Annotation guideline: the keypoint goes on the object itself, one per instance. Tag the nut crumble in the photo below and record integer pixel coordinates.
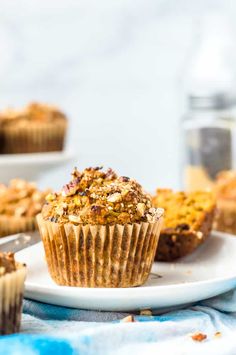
(94, 196)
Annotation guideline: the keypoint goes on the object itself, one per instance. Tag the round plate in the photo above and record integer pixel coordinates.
(31, 166)
(209, 271)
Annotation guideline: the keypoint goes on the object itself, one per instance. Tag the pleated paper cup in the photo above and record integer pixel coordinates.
(32, 138)
(11, 296)
(12, 225)
(97, 255)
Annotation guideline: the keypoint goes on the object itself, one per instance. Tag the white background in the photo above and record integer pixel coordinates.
(115, 67)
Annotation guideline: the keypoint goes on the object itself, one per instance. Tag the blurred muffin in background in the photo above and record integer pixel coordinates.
(100, 230)
(225, 190)
(36, 128)
(12, 277)
(20, 202)
(188, 220)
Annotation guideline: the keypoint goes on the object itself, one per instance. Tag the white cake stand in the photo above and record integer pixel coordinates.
(31, 166)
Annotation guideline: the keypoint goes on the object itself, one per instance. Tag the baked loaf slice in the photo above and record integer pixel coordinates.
(225, 190)
(188, 220)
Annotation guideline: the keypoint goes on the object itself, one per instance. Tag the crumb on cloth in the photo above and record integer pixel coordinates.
(146, 312)
(217, 334)
(198, 336)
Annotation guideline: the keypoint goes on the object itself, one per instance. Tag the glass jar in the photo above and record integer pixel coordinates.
(209, 141)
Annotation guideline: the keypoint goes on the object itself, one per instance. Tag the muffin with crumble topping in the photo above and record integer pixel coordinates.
(100, 230)
(20, 202)
(35, 128)
(12, 277)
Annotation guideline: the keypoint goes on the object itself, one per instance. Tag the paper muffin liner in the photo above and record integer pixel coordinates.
(97, 255)
(12, 225)
(41, 137)
(11, 296)
(225, 220)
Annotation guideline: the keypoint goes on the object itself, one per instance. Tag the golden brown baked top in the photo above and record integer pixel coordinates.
(101, 197)
(21, 199)
(7, 263)
(225, 185)
(34, 112)
(184, 211)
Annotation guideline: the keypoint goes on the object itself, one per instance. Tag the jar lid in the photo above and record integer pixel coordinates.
(214, 100)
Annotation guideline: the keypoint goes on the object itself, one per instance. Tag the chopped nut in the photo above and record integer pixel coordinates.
(174, 238)
(183, 227)
(198, 336)
(199, 235)
(146, 312)
(96, 209)
(110, 174)
(141, 208)
(50, 197)
(218, 335)
(116, 197)
(124, 178)
(75, 219)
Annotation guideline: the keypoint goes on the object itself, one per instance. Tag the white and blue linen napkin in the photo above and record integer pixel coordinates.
(48, 329)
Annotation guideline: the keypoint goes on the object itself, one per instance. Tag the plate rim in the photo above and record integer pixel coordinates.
(31, 286)
(36, 158)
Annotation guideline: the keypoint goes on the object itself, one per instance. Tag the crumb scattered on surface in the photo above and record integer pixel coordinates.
(155, 276)
(198, 336)
(217, 334)
(146, 312)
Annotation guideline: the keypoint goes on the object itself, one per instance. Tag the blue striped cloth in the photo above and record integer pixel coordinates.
(48, 329)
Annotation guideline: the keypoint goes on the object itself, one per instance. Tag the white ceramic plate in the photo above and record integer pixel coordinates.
(209, 271)
(31, 166)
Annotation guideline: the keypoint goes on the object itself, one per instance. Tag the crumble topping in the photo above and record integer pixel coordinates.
(21, 199)
(7, 263)
(101, 197)
(34, 112)
(184, 211)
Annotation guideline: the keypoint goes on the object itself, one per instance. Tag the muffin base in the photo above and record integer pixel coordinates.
(34, 138)
(99, 256)
(11, 295)
(225, 220)
(174, 244)
(12, 225)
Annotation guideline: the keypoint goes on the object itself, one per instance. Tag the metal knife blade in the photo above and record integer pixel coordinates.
(21, 241)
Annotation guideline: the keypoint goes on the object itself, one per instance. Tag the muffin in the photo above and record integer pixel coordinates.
(36, 128)
(12, 277)
(225, 190)
(20, 202)
(188, 222)
(100, 230)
